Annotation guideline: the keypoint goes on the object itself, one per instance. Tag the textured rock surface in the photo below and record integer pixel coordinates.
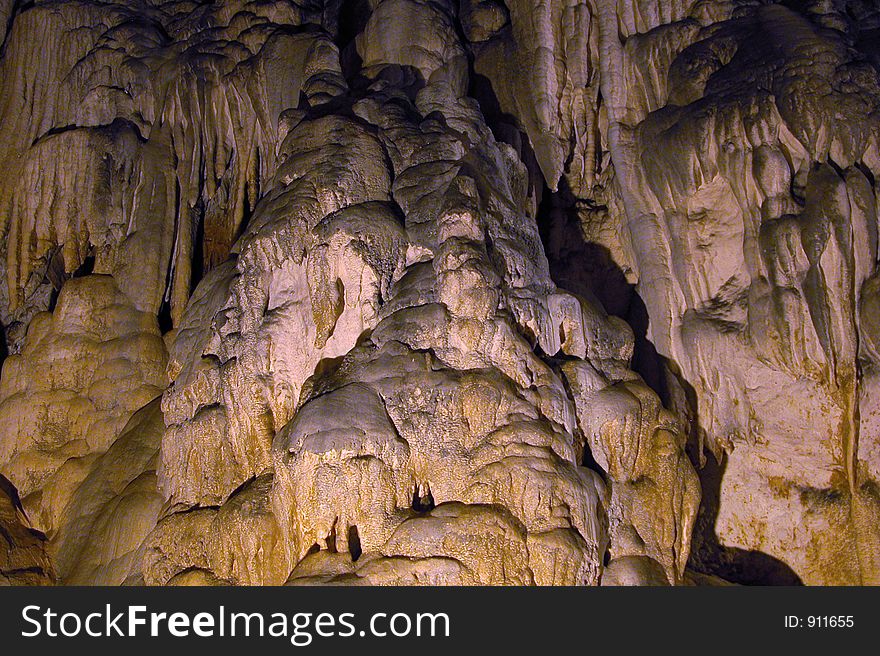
(23, 557)
(64, 400)
(409, 292)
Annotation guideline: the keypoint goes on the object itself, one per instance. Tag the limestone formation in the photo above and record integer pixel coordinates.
(410, 292)
(64, 400)
(23, 558)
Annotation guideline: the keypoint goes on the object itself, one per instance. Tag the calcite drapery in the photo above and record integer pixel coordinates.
(314, 229)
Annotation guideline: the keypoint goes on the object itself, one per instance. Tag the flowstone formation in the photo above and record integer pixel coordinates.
(405, 292)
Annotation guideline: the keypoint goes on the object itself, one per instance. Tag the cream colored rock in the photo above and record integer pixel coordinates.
(114, 509)
(84, 369)
(453, 544)
(418, 34)
(381, 433)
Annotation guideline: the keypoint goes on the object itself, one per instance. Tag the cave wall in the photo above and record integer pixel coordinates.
(435, 292)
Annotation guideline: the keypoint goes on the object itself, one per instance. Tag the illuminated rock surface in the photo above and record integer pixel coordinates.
(408, 292)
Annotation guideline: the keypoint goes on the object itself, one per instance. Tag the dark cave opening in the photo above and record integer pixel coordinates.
(353, 17)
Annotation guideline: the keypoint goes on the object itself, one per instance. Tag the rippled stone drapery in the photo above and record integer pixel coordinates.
(306, 292)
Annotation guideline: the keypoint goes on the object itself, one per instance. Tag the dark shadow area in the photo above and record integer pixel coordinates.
(647, 362)
(408, 79)
(354, 543)
(56, 272)
(4, 346)
(584, 268)
(9, 490)
(198, 257)
(589, 461)
(588, 270)
(86, 268)
(868, 44)
(327, 366)
(331, 537)
(505, 128)
(353, 17)
(732, 564)
(422, 503)
(166, 323)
